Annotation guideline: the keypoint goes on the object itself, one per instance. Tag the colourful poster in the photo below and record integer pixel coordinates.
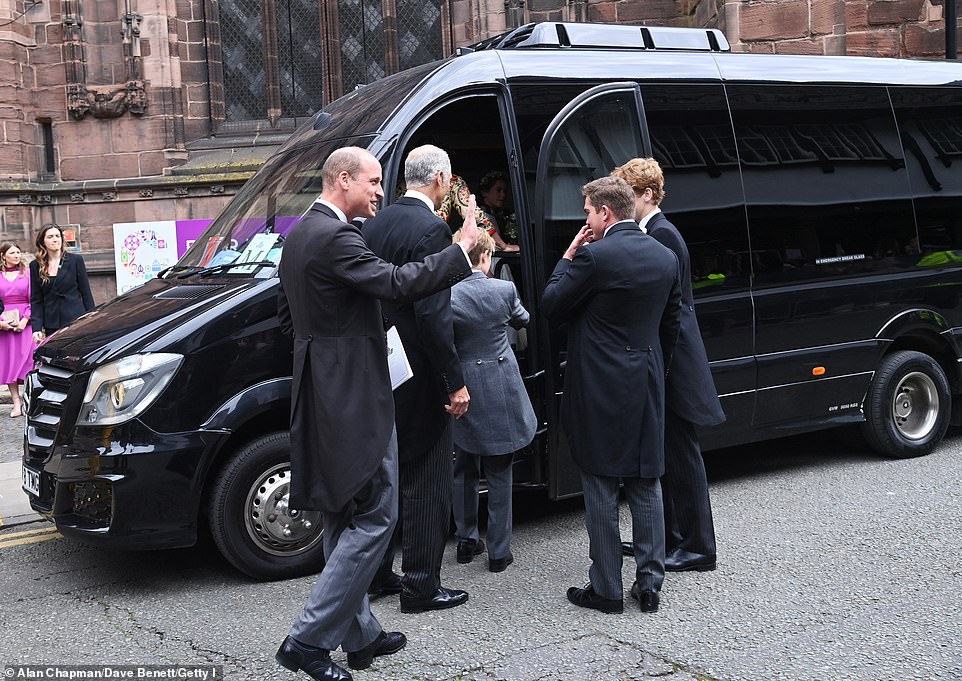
(142, 250)
(187, 233)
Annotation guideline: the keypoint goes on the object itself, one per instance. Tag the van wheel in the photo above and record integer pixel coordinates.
(251, 521)
(907, 406)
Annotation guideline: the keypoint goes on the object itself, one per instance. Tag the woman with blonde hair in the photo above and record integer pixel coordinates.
(59, 290)
(16, 347)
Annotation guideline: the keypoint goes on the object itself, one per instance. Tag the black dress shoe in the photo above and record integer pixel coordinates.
(682, 561)
(468, 549)
(500, 564)
(387, 587)
(648, 600)
(386, 643)
(627, 548)
(442, 598)
(587, 598)
(315, 662)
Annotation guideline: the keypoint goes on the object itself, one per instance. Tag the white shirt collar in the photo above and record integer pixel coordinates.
(337, 211)
(643, 223)
(610, 226)
(414, 194)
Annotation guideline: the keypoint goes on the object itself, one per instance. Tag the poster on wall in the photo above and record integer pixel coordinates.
(143, 249)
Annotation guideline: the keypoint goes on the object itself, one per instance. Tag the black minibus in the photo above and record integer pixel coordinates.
(820, 197)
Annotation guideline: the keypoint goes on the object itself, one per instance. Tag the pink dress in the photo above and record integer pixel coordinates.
(16, 349)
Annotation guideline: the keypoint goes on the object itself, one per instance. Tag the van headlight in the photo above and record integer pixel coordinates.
(121, 390)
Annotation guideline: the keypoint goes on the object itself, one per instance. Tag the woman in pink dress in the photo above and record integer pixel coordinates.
(16, 347)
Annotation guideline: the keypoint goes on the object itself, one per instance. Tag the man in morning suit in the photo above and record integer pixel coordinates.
(618, 290)
(343, 445)
(409, 231)
(692, 397)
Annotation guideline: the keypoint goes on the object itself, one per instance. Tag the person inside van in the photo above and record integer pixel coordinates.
(502, 226)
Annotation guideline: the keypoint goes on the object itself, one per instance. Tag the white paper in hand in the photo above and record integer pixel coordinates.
(397, 359)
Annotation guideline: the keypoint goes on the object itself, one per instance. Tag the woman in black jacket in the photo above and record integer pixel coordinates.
(59, 290)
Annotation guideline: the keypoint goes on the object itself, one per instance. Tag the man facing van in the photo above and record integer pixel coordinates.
(409, 231)
(618, 290)
(692, 397)
(343, 444)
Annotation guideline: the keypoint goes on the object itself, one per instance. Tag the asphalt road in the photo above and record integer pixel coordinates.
(833, 564)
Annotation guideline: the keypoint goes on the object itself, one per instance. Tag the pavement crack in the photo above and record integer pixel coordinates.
(128, 624)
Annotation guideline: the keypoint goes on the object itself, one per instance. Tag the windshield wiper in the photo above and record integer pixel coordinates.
(174, 268)
(227, 266)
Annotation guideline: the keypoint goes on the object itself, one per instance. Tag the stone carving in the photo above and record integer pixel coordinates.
(106, 102)
(180, 191)
(78, 197)
(108, 196)
(146, 193)
(44, 199)
(24, 198)
(217, 189)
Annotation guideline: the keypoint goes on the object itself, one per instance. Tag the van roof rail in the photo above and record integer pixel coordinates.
(571, 35)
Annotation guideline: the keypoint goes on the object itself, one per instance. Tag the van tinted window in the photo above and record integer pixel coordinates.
(692, 140)
(930, 125)
(825, 182)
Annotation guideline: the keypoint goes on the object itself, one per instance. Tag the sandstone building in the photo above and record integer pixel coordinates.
(117, 111)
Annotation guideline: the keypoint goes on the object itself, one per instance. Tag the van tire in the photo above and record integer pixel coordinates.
(907, 406)
(248, 514)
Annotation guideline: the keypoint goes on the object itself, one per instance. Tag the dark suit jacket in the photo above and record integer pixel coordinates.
(408, 231)
(342, 411)
(621, 298)
(61, 299)
(691, 389)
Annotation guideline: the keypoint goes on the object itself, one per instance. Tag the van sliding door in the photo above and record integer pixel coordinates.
(692, 139)
(595, 132)
(833, 236)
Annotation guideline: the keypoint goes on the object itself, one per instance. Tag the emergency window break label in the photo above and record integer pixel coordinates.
(840, 258)
(129, 671)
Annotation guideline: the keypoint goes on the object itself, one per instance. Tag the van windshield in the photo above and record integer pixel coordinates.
(252, 227)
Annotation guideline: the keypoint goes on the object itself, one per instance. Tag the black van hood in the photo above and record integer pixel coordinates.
(150, 318)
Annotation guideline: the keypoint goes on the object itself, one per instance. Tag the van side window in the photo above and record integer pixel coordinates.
(600, 134)
(825, 182)
(692, 140)
(930, 126)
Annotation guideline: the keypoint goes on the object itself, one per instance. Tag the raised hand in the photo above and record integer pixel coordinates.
(469, 230)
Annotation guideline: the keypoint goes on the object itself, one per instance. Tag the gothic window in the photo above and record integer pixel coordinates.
(281, 60)
(271, 59)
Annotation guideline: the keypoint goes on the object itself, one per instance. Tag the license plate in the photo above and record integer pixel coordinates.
(31, 481)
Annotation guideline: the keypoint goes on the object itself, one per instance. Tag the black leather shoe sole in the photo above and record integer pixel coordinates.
(379, 590)
(689, 567)
(648, 600)
(314, 662)
(384, 644)
(500, 564)
(467, 551)
(446, 598)
(586, 598)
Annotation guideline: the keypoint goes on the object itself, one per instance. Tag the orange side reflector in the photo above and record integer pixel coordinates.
(818, 371)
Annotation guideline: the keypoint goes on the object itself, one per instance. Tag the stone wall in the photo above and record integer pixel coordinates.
(123, 94)
(889, 28)
(876, 28)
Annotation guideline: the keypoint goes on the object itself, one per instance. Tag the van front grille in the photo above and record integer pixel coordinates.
(47, 389)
